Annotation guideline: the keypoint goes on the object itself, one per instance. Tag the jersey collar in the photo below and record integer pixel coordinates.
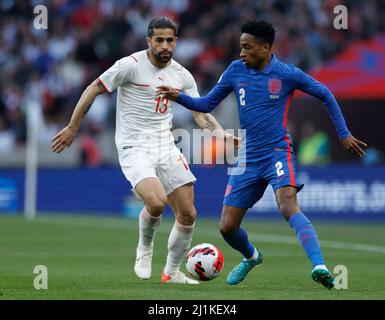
(268, 68)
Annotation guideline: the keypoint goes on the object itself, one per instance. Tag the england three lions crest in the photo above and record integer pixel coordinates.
(275, 86)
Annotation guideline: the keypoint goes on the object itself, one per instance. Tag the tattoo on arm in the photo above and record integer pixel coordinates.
(208, 121)
(210, 124)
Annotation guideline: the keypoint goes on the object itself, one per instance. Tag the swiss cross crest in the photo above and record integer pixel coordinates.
(275, 86)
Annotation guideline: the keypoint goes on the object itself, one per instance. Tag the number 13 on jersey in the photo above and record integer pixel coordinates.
(161, 104)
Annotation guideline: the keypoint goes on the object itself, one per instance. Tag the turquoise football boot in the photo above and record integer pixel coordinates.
(239, 273)
(323, 276)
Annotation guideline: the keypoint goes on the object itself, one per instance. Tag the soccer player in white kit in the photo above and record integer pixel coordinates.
(156, 169)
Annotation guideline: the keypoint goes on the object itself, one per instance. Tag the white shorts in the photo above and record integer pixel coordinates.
(167, 164)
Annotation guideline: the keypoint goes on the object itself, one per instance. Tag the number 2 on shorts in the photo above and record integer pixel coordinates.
(280, 171)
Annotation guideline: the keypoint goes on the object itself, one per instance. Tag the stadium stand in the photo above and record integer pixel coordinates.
(53, 66)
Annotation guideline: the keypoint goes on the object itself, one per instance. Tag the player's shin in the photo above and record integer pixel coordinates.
(148, 226)
(307, 237)
(179, 242)
(239, 241)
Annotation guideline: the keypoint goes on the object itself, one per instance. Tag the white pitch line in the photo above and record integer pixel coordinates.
(213, 232)
(272, 238)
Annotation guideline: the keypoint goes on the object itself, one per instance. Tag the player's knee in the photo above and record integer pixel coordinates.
(288, 208)
(287, 203)
(226, 229)
(155, 205)
(187, 216)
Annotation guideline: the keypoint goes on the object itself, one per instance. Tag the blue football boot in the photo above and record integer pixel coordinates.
(323, 276)
(239, 273)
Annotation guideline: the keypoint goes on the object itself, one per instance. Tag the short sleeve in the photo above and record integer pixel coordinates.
(191, 88)
(120, 73)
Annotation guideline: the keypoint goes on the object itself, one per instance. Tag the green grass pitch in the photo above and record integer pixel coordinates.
(93, 258)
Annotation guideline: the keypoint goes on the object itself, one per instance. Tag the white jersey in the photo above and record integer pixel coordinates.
(141, 117)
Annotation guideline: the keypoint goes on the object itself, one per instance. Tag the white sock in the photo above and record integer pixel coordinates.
(148, 225)
(320, 266)
(179, 242)
(254, 256)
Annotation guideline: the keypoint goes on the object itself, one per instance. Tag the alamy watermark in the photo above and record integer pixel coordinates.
(41, 280)
(341, 20)
(212, 147)
(341, 277)
(203, 147)
(41, 18)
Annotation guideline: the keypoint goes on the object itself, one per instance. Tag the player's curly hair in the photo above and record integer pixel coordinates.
(161, 23)
(262, 30)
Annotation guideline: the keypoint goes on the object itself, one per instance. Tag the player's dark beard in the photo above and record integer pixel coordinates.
(161, 57)
(259, 62)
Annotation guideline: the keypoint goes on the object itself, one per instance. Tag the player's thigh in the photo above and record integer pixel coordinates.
(244, 190)
(231, 219)
(139, 168)
(181, 201)
(152, 192)
(174, 171)
(282, 175)
(281, 170)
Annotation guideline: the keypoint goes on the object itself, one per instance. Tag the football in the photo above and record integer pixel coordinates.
(204, 262)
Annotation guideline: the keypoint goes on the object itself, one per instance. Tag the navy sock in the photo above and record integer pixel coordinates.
(239, 241)
(307, 236)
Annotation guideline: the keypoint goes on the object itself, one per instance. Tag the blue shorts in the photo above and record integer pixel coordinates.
(248, 184)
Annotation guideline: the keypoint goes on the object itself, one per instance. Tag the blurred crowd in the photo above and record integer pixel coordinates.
(84, 37)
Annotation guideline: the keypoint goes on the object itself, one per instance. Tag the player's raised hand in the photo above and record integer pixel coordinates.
(63, 139)
(168, 92)
(236, 141)
(354, 146)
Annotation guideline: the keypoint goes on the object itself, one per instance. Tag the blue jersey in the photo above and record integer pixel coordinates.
(263, 103)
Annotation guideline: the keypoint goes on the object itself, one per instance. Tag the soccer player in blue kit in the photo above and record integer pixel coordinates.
(264, 87)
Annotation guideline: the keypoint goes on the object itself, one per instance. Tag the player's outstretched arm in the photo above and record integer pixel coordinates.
(354, 146)
(315, 88)
(350, 143)
(65, 137)
(168, 92)
(201, 104)
(208, 121)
